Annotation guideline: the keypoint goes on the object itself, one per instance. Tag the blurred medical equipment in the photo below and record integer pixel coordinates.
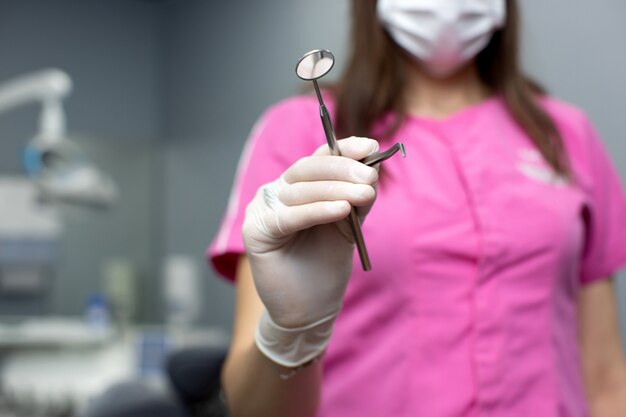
(29, 243)
(181, 290)
(63, 364)
(30, 347)
(55, 163)
(119, 281)
(194, 379)
(98, 313)
(49, 333)
(311, 67)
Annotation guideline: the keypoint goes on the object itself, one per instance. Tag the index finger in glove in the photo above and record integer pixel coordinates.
(330, 168)
(353, 147)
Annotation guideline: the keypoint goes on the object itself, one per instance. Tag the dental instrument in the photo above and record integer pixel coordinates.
(312, 66)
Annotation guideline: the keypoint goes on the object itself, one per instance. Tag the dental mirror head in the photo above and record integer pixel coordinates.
(315, 64)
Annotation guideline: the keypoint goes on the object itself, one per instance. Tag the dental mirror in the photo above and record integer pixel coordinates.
(315, 64)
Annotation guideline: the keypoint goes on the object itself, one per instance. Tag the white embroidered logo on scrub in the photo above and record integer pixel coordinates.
(531, 163)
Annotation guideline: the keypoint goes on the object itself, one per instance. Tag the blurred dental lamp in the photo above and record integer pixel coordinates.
(60, 171)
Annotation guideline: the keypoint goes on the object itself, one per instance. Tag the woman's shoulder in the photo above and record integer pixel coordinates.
(581, 139)
(575, 127)
(569, 118)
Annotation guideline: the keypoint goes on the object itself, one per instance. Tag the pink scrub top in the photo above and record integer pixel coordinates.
(478, 252)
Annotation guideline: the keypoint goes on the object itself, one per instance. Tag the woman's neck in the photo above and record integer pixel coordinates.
(438, 98)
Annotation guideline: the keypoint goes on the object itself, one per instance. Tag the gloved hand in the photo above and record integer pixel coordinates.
(300, 247)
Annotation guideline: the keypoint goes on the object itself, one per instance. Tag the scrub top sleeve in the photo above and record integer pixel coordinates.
(282, 135)
(605, 246)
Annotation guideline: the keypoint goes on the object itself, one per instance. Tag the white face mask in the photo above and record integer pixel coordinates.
(442, 34)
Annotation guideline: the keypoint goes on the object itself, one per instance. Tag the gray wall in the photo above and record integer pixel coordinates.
(578, 52)
(111, 50)
(217, 83)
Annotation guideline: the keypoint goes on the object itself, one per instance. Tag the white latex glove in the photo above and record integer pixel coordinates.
(300, 247)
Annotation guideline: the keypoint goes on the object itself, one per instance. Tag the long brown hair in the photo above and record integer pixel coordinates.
(375, 77)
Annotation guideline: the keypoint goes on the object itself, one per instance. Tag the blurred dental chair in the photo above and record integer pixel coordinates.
(194, 378)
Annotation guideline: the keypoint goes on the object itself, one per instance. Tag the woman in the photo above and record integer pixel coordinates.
(493, 243)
